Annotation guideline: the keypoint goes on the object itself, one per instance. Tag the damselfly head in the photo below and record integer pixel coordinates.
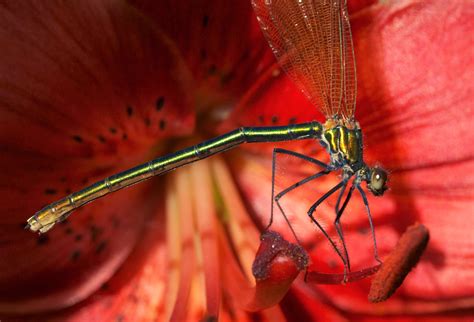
(377, 181)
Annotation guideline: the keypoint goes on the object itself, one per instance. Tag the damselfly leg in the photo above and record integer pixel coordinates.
(337, 221)
(340, 186)
(367, 208)
(276, 198)
(344, 196)
(313, 208)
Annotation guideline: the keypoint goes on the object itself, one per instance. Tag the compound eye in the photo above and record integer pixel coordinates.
(378, 179)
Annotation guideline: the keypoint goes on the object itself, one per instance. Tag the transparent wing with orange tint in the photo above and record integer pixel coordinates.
(313, 43)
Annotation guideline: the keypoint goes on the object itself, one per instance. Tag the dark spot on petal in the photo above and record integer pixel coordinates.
(63, 179)
(160, 102)
(95, 232)
(129, 110)
(226, 78)
(310, 246)
(120, 318)
(101, 138)
(100, 247)
(85, 181)
(124, 136)
(205, 21)
(261, 118)
(332, 263)
(68, 191)
(42, 239)
(292, 120)
(112, 130)
(212, 69)
(68, 231)
(203, 54)
(245, 55)
(77, 138)
(274, 119)
(78, 237)
(115, 222)
(147, 121)
(363, 230)
(133, 298)
(75, 255)
(211, 318)
(50, 191)
(104, 286)
(162, 124)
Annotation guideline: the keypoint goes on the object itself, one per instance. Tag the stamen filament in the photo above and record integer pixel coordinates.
(187, 264)
(205, 216)
(243, 232)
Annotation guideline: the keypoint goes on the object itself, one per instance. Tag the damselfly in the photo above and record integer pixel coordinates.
(313, 44)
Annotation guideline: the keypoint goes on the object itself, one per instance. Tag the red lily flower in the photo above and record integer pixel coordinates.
(89, 89)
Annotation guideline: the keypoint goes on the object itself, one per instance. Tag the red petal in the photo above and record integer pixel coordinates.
(415, 93)
(86, 89)
(415, 89)
(136, 292)
(273, 100)
(220, 40)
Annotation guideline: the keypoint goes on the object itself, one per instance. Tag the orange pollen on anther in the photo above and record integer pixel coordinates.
(399, 263)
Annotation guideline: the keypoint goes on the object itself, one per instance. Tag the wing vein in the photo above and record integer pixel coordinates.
(312, 41)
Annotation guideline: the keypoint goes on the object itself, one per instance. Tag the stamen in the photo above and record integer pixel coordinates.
(187, 262)
(399, 263)
(242, 231)
(276, 265)
(205, 217)
(322, 278)
(275, 273)
(173, 244)
(273, 245)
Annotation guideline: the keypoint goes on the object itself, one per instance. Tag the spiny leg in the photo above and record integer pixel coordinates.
(366, 203)
(297, 184)
(293, 186)
(339, 198)
(341, 235)
(312, 209)
(337, 222)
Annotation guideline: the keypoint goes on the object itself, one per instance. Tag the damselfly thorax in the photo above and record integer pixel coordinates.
(312, 42)
(344, 144)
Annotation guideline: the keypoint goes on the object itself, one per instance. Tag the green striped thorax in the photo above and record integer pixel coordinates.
(344, 144)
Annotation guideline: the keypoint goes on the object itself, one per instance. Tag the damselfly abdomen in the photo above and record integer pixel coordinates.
(313, 44)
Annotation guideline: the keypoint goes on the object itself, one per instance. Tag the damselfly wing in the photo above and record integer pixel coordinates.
(312, 42)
